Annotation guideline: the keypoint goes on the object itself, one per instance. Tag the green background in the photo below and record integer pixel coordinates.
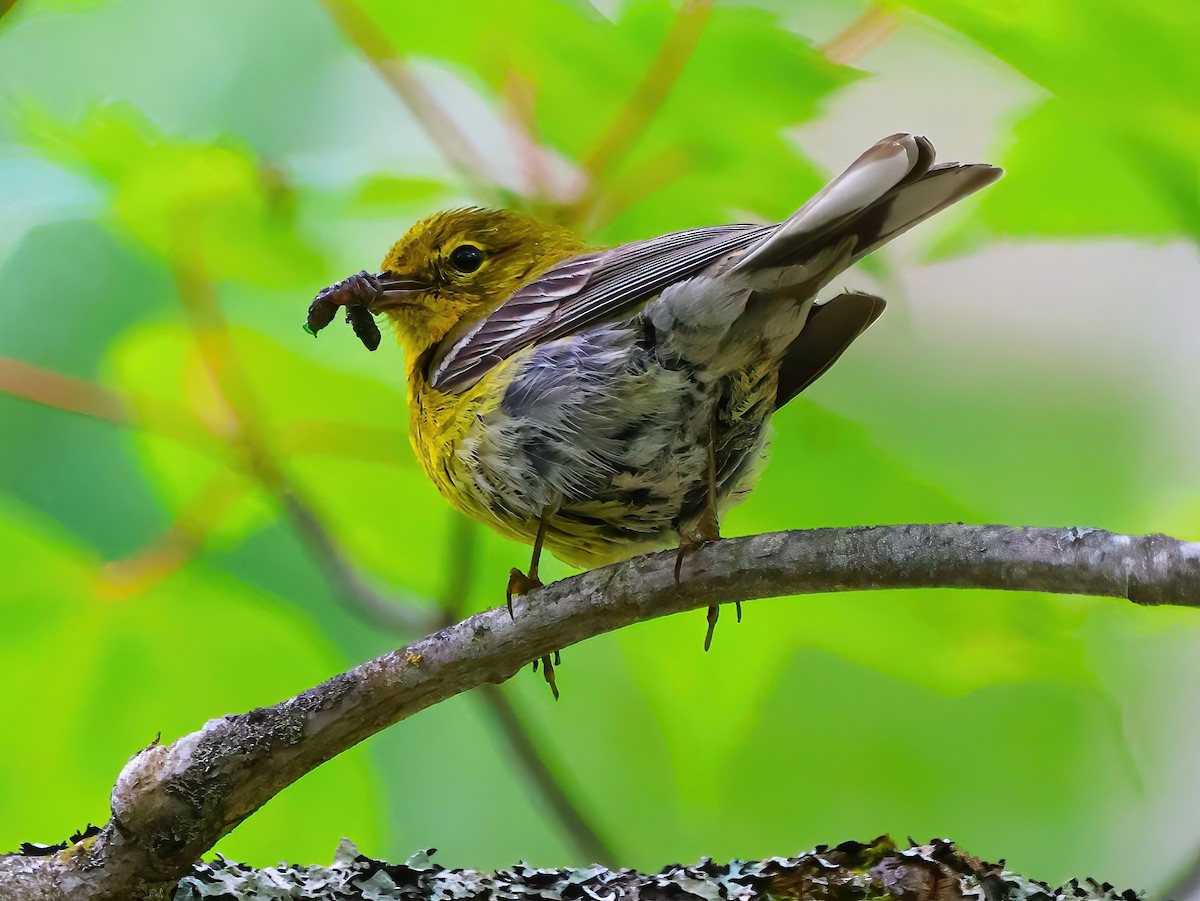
(178, 179)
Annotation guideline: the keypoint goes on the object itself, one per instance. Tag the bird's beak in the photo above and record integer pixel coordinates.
(393, 289)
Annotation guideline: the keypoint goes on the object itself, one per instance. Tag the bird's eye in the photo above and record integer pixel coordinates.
(466, 258)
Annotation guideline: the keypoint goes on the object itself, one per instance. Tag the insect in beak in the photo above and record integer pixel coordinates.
(363, 295)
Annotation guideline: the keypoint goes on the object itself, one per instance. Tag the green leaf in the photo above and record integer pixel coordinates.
(321, 418)
(382, 195)
(1060, 181)
(717, 142)
(211, 201)
(1125, 76)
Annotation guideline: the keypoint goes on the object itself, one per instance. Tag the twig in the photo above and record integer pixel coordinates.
(358, 28)
(528, 753)
(172, 803)
(620, 138)
(52, 389)
(532, 759)
(860, 37)
(346, 440)
(225, 369)
(400, 617)
(73, 395)
(464, 539)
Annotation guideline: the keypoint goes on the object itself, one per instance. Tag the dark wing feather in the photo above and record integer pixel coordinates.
(830, 329)
(581, 292)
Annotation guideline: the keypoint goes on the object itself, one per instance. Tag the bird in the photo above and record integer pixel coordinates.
(605, 402)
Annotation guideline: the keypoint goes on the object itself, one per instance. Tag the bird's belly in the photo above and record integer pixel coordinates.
(617, 450)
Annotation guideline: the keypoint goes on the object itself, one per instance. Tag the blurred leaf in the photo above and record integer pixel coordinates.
(216, 199)
(63, 317)
(828, 472)
(1127, 76)
(339, 435)
(866, 750)
(381, 194)
(120, 673)
(78, 471)
(747, 81)
(1061, 181)
(994, 420)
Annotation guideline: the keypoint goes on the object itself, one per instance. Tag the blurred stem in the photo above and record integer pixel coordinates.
(64, 392)
(460, 557)
(860, 37)
(345, 440)
(180, 543)
(394, 616)
(72, 395)
(225, 369)
(623, 134)
(358, 28)
(348, 441)
(518, 100)
(528, 753)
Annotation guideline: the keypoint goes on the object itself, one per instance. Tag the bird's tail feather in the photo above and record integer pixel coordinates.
(882, 194)
(885, 192)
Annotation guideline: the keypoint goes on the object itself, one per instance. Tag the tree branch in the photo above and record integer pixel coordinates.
(172, 802)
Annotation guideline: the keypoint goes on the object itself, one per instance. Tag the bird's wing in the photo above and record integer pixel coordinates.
(830, 328)
(582, 291)
(890, 188)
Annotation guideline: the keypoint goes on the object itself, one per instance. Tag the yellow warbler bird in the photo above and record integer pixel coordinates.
(603, 403)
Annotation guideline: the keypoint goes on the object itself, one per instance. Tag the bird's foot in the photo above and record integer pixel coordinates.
(519, 583)
(706, 531)
(548, 663)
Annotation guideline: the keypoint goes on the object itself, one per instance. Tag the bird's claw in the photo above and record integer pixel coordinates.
(519, 583)
(548, 663)
(706, 532)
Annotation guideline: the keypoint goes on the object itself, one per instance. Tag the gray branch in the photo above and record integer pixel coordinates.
(173, 802)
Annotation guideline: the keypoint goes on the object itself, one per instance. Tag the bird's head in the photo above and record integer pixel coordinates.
(458, 266)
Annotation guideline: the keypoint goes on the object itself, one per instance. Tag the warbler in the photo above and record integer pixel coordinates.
(606, 402)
